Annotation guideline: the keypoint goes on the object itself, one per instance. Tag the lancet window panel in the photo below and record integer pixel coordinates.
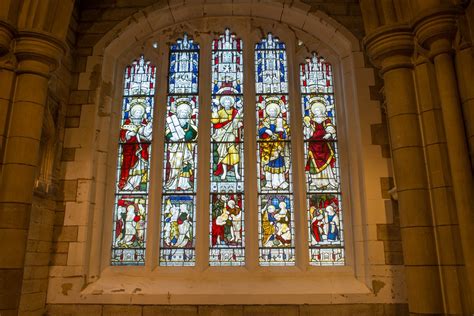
(133, 165)
(275, 199)
(323, 185)
(178, 220)
(227, 234)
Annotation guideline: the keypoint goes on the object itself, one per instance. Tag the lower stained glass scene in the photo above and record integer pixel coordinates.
(128, 247)
(325, 229)
(276, 230)
(227, 230)
(178, 233)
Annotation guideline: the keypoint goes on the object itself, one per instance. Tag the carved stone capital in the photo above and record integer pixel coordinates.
(435, 29)
(7, 32)
(390, 47)
(38, 53)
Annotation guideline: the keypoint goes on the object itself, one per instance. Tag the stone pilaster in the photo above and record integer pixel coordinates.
(435, 30)
(38, 55)
(391, 49)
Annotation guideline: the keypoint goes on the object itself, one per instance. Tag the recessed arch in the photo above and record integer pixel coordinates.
(318, 32)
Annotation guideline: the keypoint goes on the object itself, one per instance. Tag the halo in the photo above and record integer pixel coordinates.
(318, 102)
(225, 97)
(135, 104)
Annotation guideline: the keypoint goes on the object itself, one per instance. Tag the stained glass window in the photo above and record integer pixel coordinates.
(326, 243)
(275, 200)
(178, 221)
(131, 188)
(226, 240)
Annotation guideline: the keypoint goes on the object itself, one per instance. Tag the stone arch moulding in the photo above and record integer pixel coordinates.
(103, 68)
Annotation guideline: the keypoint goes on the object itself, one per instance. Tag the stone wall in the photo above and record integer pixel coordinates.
(233, 310)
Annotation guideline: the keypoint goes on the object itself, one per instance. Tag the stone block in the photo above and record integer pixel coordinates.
(14, 215)
(73, 110)
(388, 232)
(59, 259)
(13, 244)
(396, 309)
(36, 259)
(33, 301)
(65, 233)
(221, 310)
(73, 310)
(170, 310)
(68, 154)
(68, 190)
(88, 40)
(283, 310)
(78, 97)
(386, 184)
(72, 122)
(121, 310)
(341, 310)
(76, 254)
(394, 258)
(379, 134)
(419, 248)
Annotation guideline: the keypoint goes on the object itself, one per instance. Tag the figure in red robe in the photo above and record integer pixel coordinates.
(135, 137)
(320, 163)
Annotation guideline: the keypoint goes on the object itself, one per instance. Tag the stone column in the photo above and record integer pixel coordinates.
(391, 48)
(7, 77)
(435, 31)
(445, 223)
(38, 55)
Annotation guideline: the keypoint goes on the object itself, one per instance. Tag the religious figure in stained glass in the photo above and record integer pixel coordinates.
(319, 131)
(181, 132)
(135, 136)
(133, 167)
(273, 131)
(227, 123)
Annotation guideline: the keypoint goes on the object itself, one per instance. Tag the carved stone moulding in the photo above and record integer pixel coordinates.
(435, 29)
(7, 32)
(390, 47)
(38, 52)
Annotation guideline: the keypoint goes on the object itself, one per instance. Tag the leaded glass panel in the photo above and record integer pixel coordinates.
(326, 240)
(180, 159)
(227, 160)
(276, 234)
(133, 165)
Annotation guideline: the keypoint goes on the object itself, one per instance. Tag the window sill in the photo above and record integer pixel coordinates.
(220, 285)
